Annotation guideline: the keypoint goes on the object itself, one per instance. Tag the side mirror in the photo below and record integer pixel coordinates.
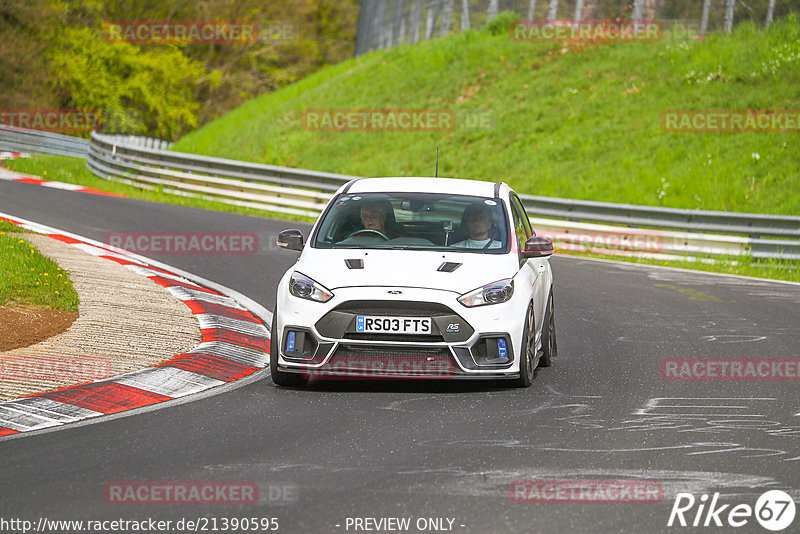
(537, 247)
(291, 239)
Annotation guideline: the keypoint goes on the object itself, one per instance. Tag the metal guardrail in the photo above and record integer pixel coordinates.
(661, 244)
(105, 145)
(752, 224)
(266, 187)
(304, 192)
(35, 142)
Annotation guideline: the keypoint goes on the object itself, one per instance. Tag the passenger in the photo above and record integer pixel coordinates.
(478, 218)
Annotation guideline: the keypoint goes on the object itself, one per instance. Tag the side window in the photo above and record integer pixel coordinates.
(526, 220)
(519, 227)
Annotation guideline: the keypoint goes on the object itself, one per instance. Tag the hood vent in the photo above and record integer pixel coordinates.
(357, 263)
(448, 267)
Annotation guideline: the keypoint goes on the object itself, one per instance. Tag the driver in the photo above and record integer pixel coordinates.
(373, 217)
(479, 220)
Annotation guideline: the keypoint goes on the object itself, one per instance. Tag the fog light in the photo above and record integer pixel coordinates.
(290, 337)
(502, 353)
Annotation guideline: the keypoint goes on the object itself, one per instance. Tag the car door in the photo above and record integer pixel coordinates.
(536, 267)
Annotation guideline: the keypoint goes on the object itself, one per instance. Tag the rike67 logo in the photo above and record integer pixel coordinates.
(774, 510)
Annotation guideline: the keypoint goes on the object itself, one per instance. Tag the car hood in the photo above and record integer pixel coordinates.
(405, 268)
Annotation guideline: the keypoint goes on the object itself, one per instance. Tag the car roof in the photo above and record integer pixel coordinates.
(420, 184)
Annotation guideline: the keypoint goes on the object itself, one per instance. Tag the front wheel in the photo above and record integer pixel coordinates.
(527, 352)
(287, 380)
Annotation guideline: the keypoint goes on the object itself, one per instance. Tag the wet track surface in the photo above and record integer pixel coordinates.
(444, 449)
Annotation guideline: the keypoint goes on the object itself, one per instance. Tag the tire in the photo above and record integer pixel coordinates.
(549, 344)
(527, 351)
(287, 380)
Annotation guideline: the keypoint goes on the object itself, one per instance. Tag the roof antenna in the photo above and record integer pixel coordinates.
(437, 162)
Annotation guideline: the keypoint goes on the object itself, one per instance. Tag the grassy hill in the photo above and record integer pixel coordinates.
(570, 120)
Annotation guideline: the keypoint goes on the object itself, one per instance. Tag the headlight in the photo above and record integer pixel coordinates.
(304, 287)
(493, 293)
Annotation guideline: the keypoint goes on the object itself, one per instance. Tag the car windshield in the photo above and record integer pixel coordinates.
(415, 221)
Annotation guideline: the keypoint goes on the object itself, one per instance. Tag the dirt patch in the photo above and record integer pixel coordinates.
(21, 327)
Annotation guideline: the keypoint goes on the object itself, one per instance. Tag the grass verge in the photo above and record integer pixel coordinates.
(576, 120)
(31, 279)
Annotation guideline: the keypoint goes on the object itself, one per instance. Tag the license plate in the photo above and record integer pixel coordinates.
(393, 325)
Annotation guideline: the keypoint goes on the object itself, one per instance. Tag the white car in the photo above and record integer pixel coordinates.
(416, 278)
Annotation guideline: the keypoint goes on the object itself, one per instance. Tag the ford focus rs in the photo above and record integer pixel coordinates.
(416, 278)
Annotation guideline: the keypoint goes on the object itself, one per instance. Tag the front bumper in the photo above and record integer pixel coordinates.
(464, 343)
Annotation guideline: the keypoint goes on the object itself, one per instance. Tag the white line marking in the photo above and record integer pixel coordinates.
(19, 420)
(93, 250)
(208, 320)
(234, 353)
(62, 185)
(169, 381)
(147, 272)
(52, 409)
(187, 293)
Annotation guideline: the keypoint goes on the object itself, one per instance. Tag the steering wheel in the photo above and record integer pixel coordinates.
(369, 230)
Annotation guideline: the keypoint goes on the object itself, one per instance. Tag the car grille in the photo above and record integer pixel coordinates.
(340, 322)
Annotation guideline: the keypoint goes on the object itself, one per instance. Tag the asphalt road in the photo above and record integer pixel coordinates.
(444, 450)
